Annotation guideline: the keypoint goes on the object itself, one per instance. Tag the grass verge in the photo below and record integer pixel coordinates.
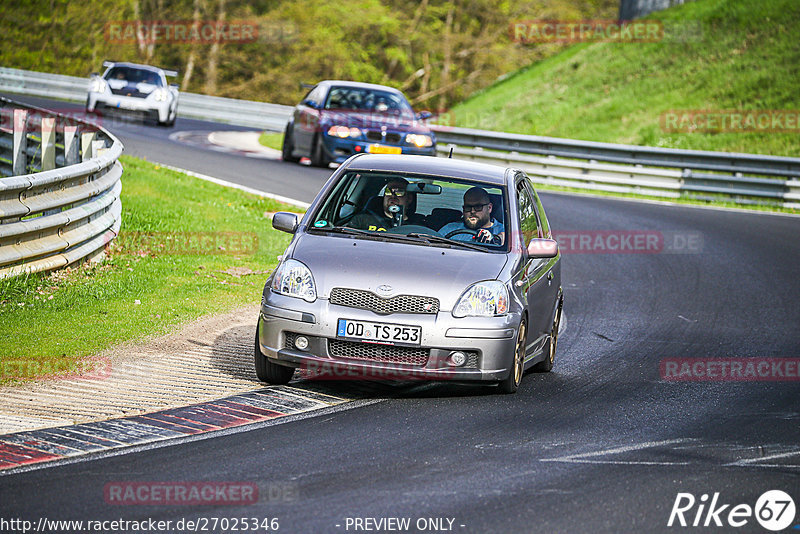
(716, 55)
(187, 248)
(271, 140)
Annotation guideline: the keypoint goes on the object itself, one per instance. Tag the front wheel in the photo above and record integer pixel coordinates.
(288, 146)
(269, 372)
(511, 383)
(318, 158)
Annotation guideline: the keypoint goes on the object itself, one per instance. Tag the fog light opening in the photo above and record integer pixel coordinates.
(301, 343)
(457, 359)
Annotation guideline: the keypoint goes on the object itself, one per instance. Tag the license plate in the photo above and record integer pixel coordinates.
(383, 149)
(384, 333)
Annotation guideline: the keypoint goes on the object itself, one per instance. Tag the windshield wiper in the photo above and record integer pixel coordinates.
(343, 230)
(444, 240)
(381, 236)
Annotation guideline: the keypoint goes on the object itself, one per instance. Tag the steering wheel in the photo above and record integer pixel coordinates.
(461, 231)
(495, 238)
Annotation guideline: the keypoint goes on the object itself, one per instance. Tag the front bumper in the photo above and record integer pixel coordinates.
(488, 342)
(97, 101)
(338, 149)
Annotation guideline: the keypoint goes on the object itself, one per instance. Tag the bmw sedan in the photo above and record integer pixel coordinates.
(410, 267)
(338, 119)
(134, 88)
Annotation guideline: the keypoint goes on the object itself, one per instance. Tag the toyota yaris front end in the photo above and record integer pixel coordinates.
(411, 267)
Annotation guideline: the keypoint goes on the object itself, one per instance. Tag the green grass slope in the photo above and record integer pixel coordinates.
(734, 55)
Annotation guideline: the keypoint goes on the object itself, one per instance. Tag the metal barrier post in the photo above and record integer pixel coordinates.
(19, 154)
(71, 148)
(48, 143)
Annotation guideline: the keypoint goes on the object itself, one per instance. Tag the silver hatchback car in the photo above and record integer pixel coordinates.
(414, 267)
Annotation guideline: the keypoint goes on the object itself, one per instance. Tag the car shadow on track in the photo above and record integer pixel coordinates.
(232, 355)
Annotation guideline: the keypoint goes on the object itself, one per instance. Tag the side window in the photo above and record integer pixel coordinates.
(542, 217)
(314, 98)
(528, 222)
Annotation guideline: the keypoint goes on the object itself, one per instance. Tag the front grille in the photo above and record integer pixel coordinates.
(391, 137)
(366, 300)
(377, 353)
(289, 342)
(472, 360)
(129, 91)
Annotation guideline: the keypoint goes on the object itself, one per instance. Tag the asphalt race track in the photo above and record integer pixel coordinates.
(604, 443)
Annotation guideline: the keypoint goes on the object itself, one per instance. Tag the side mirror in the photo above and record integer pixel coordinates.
(543, 248)
(175, 85)
(285, 221)
(422, 115)
(310, 103)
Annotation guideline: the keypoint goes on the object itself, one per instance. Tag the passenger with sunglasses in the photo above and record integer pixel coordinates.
(397, 203)
(477, 225)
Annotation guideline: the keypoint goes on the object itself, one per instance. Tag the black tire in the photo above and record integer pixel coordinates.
(546, 365)
(269, 372)
(288, 145)
(171, 122)
(511, 383)
(318, 158)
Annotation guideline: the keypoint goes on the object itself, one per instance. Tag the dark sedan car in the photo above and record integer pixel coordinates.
(338, 119)
(408, 267)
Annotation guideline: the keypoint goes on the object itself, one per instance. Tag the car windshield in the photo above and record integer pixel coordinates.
(372, 100)
(426, 208)
(134, 76)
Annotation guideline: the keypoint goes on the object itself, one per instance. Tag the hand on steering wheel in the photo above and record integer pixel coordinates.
(481, 236)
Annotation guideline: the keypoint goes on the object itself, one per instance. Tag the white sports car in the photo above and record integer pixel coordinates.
(136, 88)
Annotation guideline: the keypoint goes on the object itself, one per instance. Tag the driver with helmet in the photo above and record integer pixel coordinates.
(477, 224)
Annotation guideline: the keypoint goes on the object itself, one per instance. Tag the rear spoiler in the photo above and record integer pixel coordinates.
(307, 85)
(169, 73)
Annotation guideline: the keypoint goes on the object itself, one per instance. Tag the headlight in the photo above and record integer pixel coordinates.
(343, 132)
(419, 140)
(160, 94)
(294, 280)
(484, 299)
(98, 85)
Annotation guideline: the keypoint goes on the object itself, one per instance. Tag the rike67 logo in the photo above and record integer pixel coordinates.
(774, 510)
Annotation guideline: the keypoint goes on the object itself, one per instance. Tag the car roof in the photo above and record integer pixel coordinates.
(361, 85)
(452, 168)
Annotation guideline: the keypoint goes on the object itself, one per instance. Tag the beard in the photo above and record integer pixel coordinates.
(475, 223)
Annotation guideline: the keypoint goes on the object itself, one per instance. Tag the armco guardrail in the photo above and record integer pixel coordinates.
(190, 105)
(59, 189)
(663, 172)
